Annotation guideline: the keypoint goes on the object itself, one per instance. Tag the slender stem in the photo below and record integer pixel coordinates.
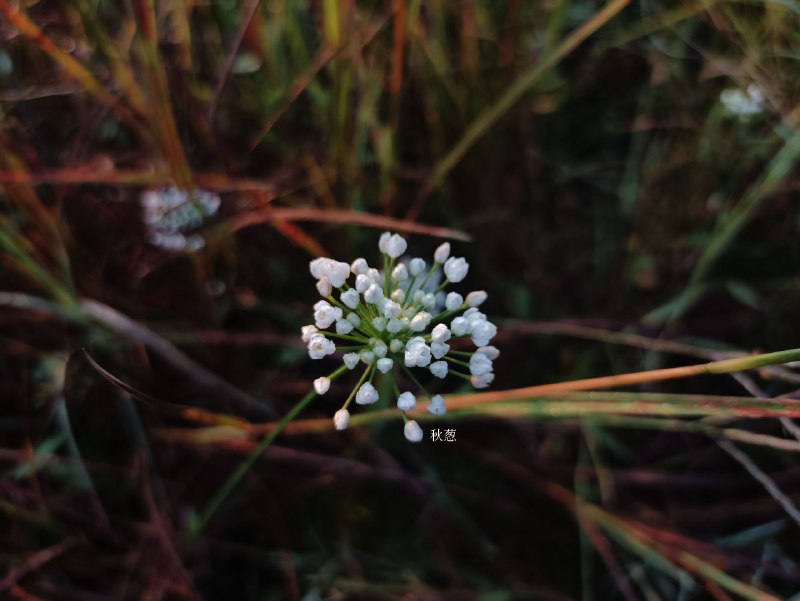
(388, 264)
(337, 303)
(358, 385)
(725, 366)
(453, 372)
(225, 490)
(407, 298)
(448, 313)
(417, 382)
(456, 361)
(344, 336)
(433, 269)
(462, 353)
(394, 383)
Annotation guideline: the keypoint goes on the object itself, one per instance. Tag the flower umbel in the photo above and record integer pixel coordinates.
(397, 319)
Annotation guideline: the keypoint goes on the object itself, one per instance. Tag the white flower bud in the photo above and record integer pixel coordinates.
(383, 241)
(482, 381)
(456, 270)
(440, 333)
(392, 309)
(398, 295)
(319, 346)
(473, 316)
(418, 296)
(412, 431)
(437, 406)
(453, 301)
(489, 351)
(482, 332)
(350, 298)
(359, 267)
(395, 246)
(325, 314)
(367, 356)
(394, 325)
(400, 272)
(324, 287)
(367, 394)
(320, 267)
(459, 326)
(418, 354)
(476, 298)
(439, 369)
(439, 349)
(341, 419)
(306, 332)
(339, 273)
(322, 385)
(362, 283)
(379, 323)
(416, 266)
(373, 294)
(415, 340)
(441, 254)
(385, 365)
(429, 301)
(395, 345)
(354, 319)
(335, 271)
(351, 360)
(406, 401)
(375, 276)
(344, 326)
(420, 321)
(480, 364)
(379, 348)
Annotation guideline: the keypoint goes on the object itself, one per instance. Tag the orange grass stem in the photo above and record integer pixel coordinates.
(726, 366)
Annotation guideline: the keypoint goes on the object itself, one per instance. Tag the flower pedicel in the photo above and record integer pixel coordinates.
(398, 318)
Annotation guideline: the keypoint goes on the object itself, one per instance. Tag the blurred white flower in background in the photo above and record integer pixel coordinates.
(743, 102)
(170, 214)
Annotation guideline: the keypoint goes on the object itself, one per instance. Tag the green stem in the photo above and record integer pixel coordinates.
(462, 353)
(433, 269)
(456, 361)
(388, 264)
(344, 336)
(225, 490)
(408, 292)
(445, 314)
(417, 382)
(452, 372)
(358, 385)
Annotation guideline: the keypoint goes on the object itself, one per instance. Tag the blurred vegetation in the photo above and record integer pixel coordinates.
(624, 173)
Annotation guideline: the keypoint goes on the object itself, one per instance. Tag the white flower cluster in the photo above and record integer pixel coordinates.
(743, 103)
(395, 319)
(170, 212)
